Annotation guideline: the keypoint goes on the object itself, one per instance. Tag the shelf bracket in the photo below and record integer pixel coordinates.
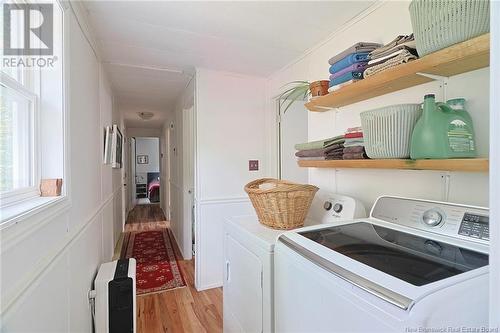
(442, 79)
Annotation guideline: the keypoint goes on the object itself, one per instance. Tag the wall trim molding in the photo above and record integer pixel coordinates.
(199, 204)
(210, 286)
(216, 201)
(26, 224)
(52, 256)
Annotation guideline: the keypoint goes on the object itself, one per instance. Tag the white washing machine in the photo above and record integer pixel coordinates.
(248, 272)
(412, 266)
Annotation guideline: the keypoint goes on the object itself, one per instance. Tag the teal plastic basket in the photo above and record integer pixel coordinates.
(387, 131)
(440, 23)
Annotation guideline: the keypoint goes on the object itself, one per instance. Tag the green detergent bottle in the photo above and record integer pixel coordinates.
(443, 131)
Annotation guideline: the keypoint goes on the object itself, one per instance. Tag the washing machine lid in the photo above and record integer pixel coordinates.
(408, 257)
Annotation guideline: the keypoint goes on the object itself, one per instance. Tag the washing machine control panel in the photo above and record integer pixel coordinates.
(432, 217)
(475, 226)
(459, 221)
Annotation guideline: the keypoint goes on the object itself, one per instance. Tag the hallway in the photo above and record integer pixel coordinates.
(177, 310)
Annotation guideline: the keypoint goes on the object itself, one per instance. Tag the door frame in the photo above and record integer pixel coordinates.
(494, 182)
(132, 197)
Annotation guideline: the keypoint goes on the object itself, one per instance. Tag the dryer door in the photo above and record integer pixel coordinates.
(242, 289)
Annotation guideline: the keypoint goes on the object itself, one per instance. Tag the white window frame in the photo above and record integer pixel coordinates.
(17, 195)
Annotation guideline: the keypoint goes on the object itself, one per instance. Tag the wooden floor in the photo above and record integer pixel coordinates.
(178, 310)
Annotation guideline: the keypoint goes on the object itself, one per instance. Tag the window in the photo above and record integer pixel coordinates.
(31, 107)
(17, 128)
(19, 165)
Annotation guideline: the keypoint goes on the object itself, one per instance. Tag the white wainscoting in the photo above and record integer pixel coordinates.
(210, 217)
(43, 279)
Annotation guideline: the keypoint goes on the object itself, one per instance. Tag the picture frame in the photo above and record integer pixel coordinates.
(142, 159)
(116, 148)
(107, 144)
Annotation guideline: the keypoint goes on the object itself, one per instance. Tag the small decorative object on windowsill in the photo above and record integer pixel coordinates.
(51, 187)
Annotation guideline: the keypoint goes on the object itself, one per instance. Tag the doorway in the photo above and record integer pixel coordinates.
(146, 168)
(292, 128)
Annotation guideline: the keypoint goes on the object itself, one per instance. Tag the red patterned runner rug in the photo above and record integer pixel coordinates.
(157, 266)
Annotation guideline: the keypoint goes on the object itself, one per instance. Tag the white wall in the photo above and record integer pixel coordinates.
(151, 148)
(230, 130)
(144, 132)
(49, 260)
(367, 185)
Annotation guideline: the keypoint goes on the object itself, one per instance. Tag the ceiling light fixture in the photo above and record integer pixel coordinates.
(146, 115)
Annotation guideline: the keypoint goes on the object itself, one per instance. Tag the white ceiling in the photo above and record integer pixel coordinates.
(255, 38)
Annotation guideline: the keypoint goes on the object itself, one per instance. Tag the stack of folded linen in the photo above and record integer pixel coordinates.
(354, 146)
(331, 148)
(401, 50)
(348, 66)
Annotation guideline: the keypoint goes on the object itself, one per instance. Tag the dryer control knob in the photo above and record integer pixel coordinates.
(327, 205)
(337, 208)
(432, 218)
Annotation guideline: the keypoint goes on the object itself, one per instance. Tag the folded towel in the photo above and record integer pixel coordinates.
(320, 143)
(392, 55)
(354, 129)
(335, 151)
(358, 47)
(334, 157)
(354, 149)
(346, 77)
(338, 86)
(407, 40)
(357, 67)
(349, 60)
(354, 142)
(313, 158)
(354, 156)
(310, 152)
(319, 151)
(403, 58)
(353, 135)
(411, 45)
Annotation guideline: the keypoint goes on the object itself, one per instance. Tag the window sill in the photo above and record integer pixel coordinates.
(15, 213)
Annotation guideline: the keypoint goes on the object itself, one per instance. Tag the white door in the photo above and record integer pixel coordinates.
(292, 129)
(242, 289)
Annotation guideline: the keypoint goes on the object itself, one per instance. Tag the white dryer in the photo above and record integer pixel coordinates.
(412, 266)
(249, 258)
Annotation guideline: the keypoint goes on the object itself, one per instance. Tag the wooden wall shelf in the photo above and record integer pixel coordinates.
(469, 165)
(457, 59)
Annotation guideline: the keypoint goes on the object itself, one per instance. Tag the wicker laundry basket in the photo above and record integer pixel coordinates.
(280, 204)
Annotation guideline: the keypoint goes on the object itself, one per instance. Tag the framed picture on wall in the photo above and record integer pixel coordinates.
(116, 148)
(142, 159)
(107, 144)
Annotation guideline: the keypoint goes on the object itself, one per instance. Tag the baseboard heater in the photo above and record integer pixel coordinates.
(114, 297)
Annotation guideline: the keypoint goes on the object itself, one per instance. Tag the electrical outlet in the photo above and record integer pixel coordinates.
(253, 165)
